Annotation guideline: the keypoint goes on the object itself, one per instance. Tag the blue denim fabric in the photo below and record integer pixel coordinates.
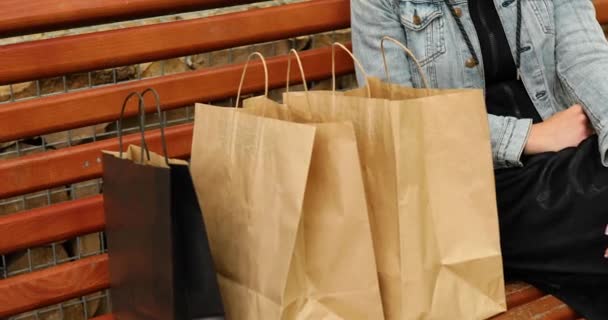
(564, 61)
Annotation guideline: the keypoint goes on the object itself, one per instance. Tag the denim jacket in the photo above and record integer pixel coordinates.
(564, 57)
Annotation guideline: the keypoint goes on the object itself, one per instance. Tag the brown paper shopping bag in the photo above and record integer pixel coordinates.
(371, 120)
(286, 214)
(429, 182)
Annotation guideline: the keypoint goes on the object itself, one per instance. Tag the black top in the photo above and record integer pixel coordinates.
(505, 95)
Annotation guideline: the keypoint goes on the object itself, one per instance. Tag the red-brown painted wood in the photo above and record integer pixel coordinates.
(99, 50)
(53, 285)
(545, 308)
(519, 293)
(601, 8)
(32, 16)
(79, 163)
(79, 109)
(53, 223)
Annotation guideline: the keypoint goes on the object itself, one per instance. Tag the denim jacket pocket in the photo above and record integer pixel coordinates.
(424, 28)
(543, 10)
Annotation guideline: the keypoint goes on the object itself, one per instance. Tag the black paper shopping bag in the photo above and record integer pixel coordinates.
(160, 262)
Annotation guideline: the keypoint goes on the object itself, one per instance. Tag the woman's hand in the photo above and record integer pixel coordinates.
(564, 129)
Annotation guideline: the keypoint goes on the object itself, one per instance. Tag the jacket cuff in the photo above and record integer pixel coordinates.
(603, 146)
(513, 143)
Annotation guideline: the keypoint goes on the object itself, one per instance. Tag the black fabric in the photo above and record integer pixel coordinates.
(505, 94)
(498, 61)
(159, 256)
(553, 212)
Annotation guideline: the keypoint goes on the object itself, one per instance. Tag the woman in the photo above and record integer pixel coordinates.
(544, 67)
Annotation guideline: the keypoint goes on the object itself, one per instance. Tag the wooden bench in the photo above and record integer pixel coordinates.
(108, 49)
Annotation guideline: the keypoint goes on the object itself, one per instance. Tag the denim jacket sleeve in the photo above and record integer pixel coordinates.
(373, 19)
(581, 52)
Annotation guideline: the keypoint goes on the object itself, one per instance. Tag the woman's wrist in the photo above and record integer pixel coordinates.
(535, 141)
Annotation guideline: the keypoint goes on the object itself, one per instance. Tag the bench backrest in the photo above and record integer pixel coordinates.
(74, 54)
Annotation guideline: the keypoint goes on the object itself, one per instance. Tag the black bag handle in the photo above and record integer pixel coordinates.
(142, 123)
(160, 119)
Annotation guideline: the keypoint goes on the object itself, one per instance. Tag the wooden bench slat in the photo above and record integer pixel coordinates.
(601, 8)
(53, 285)
(545, 308)
(79, 163)
(33, 16)
(519, 293)
(94, 51)
(53, 223)
(83, 108)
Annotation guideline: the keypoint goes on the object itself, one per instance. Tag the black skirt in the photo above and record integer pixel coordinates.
(553, 214)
